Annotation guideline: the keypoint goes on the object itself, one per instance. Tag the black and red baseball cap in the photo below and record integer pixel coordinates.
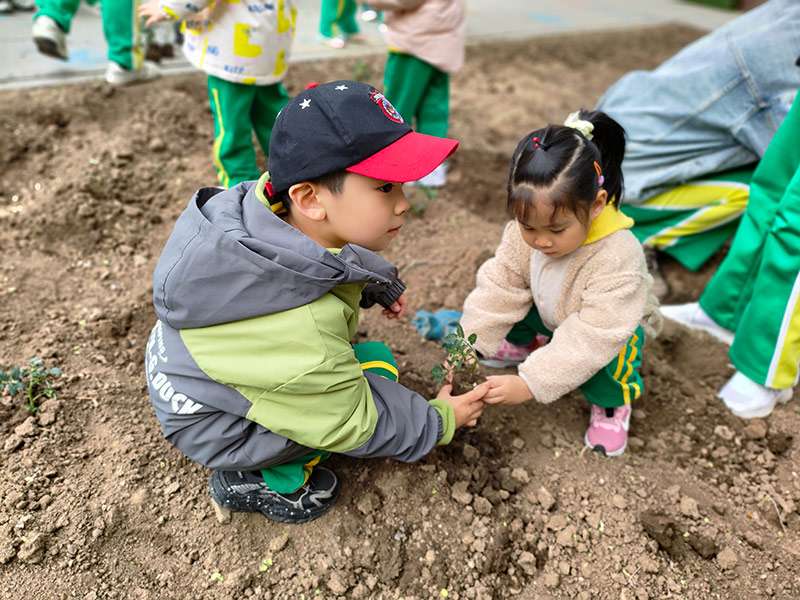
(351, 126)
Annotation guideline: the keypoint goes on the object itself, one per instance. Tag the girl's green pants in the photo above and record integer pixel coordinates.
(120, 26)
(290, 476)
(617, 384)
(755, 291)
(239, 110)
(419, 91)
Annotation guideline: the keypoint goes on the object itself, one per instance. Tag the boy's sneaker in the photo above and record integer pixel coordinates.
(608, 429)
(511, 355)
(119, 75)
(245, 491)
(749, 400)
(694, 317)
(49, 38)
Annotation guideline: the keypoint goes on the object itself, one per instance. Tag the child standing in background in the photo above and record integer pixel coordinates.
(337, 23)
(426, 44)
(568, 267)
(244, 48)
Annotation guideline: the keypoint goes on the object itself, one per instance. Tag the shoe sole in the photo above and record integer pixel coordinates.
(599, 448)
(500, 364)
(48, 47)
(281, 514)
(764, 411)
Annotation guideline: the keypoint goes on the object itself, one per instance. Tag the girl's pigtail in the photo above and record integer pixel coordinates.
(609, 137)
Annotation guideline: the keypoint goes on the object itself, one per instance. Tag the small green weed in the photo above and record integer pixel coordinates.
(32, 379)
(461, 356)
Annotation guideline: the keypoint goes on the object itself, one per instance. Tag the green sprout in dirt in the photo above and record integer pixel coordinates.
(461, 356)
(32, 379)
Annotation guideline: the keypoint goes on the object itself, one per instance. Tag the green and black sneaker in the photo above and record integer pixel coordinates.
(245, 491)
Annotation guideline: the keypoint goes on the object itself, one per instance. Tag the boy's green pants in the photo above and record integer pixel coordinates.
(338, 18)
(755, 291)
(120, 26)
(419, 91)
(692, 221)
(617, 384)
(288, 477)
(239, 110)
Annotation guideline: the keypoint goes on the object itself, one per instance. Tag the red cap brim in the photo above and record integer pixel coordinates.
(410, 158)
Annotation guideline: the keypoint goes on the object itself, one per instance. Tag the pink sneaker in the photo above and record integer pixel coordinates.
(608, 429)
(510, 355)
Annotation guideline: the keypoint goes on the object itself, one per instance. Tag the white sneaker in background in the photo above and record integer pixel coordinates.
(117, 75)
(49, 38)
(694, 317)
(749, 400)
(435, 179)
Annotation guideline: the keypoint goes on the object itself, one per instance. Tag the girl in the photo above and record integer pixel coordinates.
(568, 267)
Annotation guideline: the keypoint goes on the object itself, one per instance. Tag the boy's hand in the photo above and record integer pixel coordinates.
(507, 389)
(152, 11)
(398, 309)
(467, 407)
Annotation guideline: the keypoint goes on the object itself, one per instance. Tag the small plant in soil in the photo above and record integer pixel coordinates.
(32, 380)
(461, 360)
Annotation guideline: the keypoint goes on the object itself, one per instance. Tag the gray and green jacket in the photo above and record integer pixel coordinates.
(250, 362)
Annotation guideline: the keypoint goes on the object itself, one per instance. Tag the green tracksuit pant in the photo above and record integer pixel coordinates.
(288, 477)
(419, 91)
(692, 221)
(120, 26)
(755, 291)
(239, 110)
(617, 384)
(338, 18)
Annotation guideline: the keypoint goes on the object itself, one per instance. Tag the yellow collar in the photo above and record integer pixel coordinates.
(606, 223)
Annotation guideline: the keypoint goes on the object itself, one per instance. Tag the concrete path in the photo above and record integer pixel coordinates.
(22, 66)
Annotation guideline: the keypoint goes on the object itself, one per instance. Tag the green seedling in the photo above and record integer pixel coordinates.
(33, 380)
(461, 356)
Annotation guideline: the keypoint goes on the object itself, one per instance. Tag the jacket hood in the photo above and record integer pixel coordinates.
(230, 258)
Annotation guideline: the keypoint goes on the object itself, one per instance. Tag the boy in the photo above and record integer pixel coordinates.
(250, 367)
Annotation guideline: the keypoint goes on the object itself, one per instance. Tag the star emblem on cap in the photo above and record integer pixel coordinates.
(305, 104)
(341, 88)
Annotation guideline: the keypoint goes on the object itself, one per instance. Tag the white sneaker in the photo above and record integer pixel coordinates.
(694, 317)
(118, 75)
(49, 38)
(435, 179)
(747, 399)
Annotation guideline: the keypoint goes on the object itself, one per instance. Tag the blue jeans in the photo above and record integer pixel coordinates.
(715, 105)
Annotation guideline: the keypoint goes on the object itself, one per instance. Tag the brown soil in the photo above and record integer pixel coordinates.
(95, 504)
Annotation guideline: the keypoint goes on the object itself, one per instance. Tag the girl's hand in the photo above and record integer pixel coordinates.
(398, 309)
(507, 389)
(152, 12)
(467, 407)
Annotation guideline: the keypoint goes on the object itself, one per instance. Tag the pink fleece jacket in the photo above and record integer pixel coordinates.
(431, 30)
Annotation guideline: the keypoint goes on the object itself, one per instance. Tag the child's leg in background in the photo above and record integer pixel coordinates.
(692, 221)
(756, 290)
(288, 477)
(269, 100)
(121, 30)
(405, 83)
(433, 113)
(61, 11)
(754, 293)
(234, 155)
(338, 18)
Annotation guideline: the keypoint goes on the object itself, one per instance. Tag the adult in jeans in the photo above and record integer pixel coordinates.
(699, 123)
(126, 63)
